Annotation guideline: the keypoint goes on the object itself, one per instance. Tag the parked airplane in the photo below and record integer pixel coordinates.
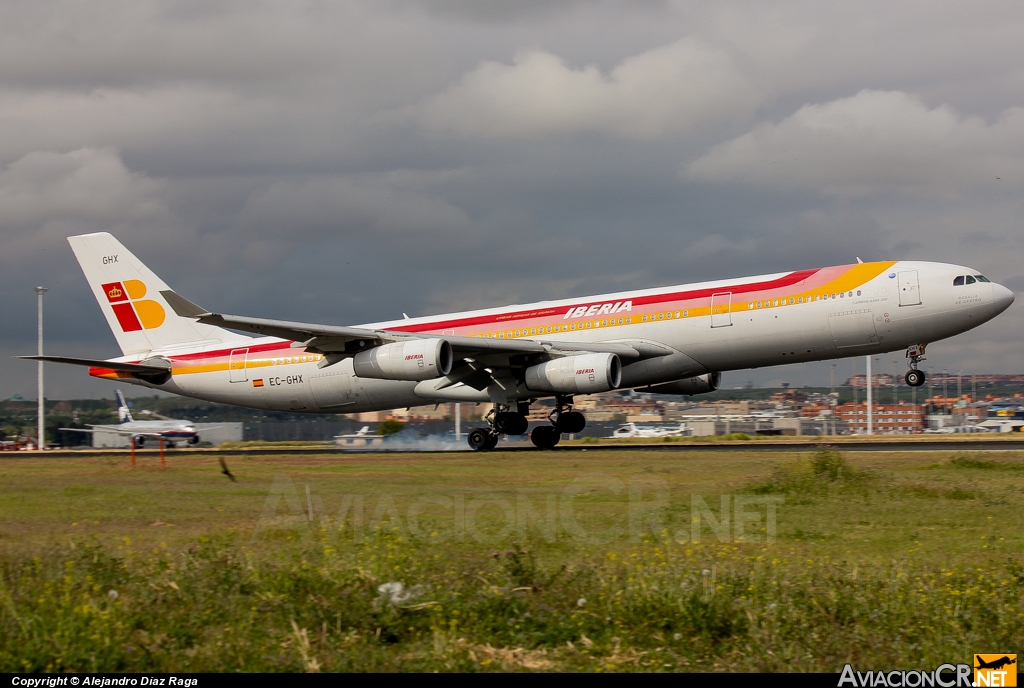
(673, 340)
(362, 438)
(634, 430)
(169, 429)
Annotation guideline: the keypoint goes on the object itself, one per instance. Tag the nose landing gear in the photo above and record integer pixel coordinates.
(915, 377)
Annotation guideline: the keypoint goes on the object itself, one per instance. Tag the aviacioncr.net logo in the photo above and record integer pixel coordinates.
(944, 676)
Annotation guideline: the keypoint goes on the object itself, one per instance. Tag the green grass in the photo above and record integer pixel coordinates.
(897, 559)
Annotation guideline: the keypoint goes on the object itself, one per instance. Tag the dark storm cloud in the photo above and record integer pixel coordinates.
(346, 162)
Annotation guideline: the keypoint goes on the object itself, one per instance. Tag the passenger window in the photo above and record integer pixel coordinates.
(959, 281)
(970, 280)
(981, 278)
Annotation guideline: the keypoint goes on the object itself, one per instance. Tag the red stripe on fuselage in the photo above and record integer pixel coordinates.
(788, 280)
(253, 349)
(647, 300)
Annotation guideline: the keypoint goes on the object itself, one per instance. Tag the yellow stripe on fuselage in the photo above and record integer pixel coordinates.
(854, 277)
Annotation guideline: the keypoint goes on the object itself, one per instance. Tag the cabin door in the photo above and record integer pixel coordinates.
(236, 365)
(910, 289)
(721, 309)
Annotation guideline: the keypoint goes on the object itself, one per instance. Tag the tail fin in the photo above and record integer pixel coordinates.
(129, 296)
(123, 414)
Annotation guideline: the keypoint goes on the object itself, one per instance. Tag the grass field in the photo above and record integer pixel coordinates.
(591, 561)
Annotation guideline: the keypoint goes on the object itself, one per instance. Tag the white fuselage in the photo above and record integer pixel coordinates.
(811, 315)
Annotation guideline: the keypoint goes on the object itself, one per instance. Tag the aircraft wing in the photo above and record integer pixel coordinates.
(118, 429)
(106, 428)
(344, 341)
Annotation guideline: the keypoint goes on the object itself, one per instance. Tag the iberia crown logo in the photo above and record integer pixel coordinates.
(133, 312)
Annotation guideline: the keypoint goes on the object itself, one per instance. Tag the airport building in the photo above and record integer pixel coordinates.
(887, 419)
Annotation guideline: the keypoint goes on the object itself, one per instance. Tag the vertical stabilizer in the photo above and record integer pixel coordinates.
(123, 414)
(129, 296)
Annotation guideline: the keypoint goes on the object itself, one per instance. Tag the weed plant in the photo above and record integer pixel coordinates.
(825, 470)
(388, 604)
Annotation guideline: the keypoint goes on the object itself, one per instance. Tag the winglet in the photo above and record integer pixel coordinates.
(182, 306)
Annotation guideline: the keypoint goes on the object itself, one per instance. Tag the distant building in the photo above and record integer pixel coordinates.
(937, 378)
(791, 396)
(886, 418)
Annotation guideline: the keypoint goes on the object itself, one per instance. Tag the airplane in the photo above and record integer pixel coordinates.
(996, 663)
(634, 430)
(169, 429)
(362, 432)
(360, 438)
(671, 340)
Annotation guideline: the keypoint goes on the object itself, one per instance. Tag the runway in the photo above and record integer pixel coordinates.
(880, 445)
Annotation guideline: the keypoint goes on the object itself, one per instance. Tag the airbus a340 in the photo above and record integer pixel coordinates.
(671, 340)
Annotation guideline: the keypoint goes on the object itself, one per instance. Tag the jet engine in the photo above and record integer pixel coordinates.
(700, 384)
(584, 374)
(416, 359)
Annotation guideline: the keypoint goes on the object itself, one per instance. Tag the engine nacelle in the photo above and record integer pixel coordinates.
(701, 384)
(584, 374)
(416, 359)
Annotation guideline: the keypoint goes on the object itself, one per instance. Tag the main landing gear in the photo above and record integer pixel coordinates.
(915, 377)
(501, 420)
(562, 421)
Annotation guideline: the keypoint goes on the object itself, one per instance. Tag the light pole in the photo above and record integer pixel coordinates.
(870, 429)
(945, 392)
(834, 399)
(40, 436)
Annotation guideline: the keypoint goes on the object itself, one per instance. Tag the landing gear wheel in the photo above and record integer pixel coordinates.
(545, 436)
(915, 378)
(511, 423)
(571, 422)
(492, 442)
(480, 438)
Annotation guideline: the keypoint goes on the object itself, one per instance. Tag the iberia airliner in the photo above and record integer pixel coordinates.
(672, 340)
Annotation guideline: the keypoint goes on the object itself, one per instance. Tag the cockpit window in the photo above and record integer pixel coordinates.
(959, 281)
(971, 280)
(981, 278)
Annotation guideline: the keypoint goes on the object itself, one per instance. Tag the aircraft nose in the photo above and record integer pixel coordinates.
(1002, 297)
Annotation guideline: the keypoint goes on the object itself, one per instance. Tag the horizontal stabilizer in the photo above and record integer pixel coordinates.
(153, 366)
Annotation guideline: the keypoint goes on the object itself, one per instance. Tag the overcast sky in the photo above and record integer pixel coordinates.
(343, 162)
